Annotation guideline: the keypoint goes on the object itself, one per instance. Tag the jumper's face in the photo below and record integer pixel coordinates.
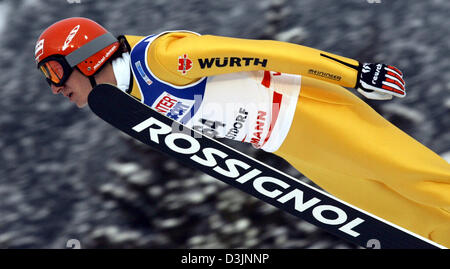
(76, 88)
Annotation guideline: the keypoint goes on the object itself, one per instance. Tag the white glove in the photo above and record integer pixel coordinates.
(380, 81)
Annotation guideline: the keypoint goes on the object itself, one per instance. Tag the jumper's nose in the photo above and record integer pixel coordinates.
(56, 89)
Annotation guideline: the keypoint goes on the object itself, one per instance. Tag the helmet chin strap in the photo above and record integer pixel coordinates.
(92, 81)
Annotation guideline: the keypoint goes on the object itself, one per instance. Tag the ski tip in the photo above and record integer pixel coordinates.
(100, 93)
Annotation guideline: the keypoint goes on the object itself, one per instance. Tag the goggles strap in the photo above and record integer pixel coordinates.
(90, 49)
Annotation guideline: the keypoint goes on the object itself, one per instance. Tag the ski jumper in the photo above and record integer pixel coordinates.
(290, 100)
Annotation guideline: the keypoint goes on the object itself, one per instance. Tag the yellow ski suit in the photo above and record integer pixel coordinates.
(336, 139)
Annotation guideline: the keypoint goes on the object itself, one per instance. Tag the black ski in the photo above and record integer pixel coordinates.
(247, 174)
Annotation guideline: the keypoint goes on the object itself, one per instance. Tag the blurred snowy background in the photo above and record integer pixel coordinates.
(66, 174)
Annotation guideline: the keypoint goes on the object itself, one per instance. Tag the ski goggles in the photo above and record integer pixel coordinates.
(56, 70)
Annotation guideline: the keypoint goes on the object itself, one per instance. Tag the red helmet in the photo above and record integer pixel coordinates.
(79, 42)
